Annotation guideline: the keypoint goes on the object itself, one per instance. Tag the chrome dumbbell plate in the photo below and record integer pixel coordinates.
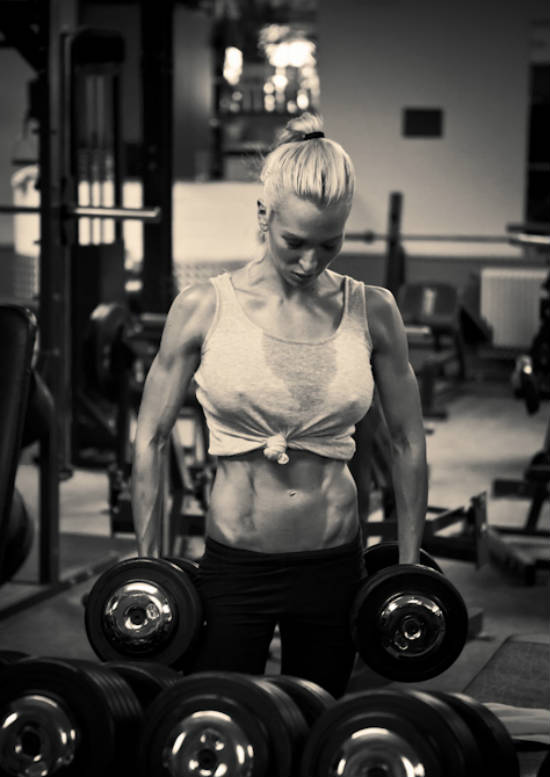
(72, 718)
(409, 622)
(145, 610)
(213, 724)
(391, 733)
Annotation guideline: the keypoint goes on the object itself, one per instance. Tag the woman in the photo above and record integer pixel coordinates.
(285, 354)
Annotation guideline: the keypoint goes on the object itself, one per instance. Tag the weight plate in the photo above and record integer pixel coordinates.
(386, 554)
(493, 740)
(186, 565)
(143, 609)
(215, 724)
(409, 622)
(311, 699)
(65, 717)
(390, 732)
(146, 680)
(10, 656)
(296, 726)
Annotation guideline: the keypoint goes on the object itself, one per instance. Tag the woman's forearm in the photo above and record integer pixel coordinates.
(410, 484)
(147, 496)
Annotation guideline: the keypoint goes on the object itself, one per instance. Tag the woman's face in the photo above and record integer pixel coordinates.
(303, 238)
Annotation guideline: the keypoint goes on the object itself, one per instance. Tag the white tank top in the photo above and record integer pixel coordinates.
(259, 391)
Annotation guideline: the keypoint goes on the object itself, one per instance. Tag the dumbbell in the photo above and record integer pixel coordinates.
(386, 554)
(222, 723)
(408, 621)
(144, 609)
(310, 698)
(406, 732)
(146, 679)
(10, 657)
(47, 728)
(68, 718)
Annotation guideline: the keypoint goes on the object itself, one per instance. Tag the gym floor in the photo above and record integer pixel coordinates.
(488, 434)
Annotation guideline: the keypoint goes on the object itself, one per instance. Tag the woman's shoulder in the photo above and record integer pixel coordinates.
(376, 297)
(193, 309)
(195, 297)
(379, 297)
(385, 321)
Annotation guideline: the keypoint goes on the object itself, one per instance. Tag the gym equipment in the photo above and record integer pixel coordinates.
(146, 680)
(530, 553)
(76, 102)
(431, 314)
(10, 656)
(495, 744)
(386, 554)
(469, 543)
(18, 539)
(73, 718)
(524, 383)
(216, 723)
(391, 732)
(186, 565)
(310, 698)
(104, 354)
(409, 623)
(18, 327)
(143, 609)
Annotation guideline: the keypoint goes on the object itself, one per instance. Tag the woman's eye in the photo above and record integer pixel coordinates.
(293, 243)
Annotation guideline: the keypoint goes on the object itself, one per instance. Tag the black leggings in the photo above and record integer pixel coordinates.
(308, 593)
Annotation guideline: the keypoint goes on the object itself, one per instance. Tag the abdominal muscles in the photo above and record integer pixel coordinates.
(308, 504)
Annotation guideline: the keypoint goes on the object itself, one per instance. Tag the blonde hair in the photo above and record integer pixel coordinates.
(316, 169)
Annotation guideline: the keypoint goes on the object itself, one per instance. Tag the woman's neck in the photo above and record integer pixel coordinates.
(261, 273)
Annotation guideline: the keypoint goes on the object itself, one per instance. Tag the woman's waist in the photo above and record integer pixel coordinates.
(305, 504)
(306, 473)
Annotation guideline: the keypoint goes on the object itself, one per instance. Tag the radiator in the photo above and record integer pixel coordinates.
(510, 303)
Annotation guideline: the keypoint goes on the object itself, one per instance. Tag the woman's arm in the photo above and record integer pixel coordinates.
(400, 400)
(163, 394)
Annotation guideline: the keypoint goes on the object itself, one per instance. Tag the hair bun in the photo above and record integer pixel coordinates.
(299, 127)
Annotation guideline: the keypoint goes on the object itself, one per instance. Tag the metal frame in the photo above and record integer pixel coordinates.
(47, 50)
(468, 544)
(157, 104)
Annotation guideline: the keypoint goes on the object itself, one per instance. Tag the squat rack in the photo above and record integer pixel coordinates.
(43, 32)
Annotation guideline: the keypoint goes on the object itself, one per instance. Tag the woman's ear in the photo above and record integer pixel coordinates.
(262, 216)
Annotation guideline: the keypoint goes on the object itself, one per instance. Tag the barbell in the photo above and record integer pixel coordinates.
(151, 215)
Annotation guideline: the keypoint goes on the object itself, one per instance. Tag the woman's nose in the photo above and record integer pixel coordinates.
(308, 262)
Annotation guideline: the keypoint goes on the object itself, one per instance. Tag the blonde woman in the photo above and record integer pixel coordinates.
(285, 354)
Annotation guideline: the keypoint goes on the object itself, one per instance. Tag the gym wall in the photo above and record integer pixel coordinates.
(470, 59)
